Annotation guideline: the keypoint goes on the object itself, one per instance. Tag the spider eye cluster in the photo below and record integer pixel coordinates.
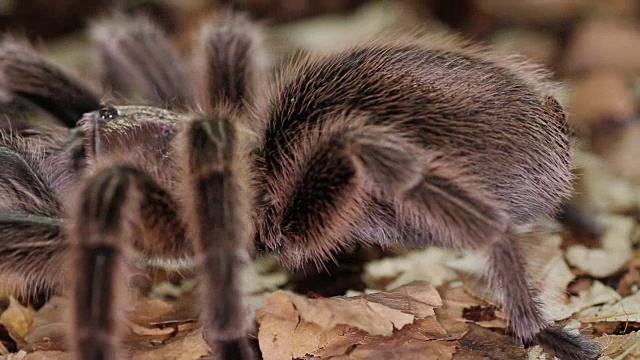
(108, 113)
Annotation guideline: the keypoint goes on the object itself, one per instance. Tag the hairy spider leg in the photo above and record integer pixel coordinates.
(136, 58)
(218, 208)
(231, 63)
(27, 76)
(32, 246)
(115, 225)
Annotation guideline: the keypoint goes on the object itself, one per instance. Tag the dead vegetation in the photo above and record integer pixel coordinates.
(432, 303)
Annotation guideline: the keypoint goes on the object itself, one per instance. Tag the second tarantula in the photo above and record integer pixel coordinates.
(402, 142)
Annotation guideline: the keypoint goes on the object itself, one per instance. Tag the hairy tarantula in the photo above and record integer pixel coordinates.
(402, 142)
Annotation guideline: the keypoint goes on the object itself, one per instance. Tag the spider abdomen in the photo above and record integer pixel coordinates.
(498, 118)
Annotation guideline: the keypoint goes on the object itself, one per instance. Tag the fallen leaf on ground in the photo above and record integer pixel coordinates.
(49, 329)
(457, 302)
(422, 265)
(597, 294)
(627, 309)
(377, 314)
(631, 280)
(614, 253)
(480, 343)
(38, 355)
(293, 326)
(191, 346)
(17, 319)
(621, 346)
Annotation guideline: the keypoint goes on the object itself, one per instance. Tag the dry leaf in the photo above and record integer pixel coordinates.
(38, 355)
(630, 282)
(551, 271)
(627, 309)
(423, 265)
(457, 300)
(189, 347)
(283, 335)
(148, 309)
(401, 350)
(480, 343)
(377, 314)
(621, 347)
(599, 190)
(615, 252)
(49, 329)
(597, 294)
(292, 326)
(17, 319)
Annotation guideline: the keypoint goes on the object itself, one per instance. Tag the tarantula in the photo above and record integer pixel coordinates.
(395, 142)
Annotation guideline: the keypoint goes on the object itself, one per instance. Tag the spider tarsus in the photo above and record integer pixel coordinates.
(27, 76)
(566, 345)
(138, 59)
(230, 62)
(217, 193)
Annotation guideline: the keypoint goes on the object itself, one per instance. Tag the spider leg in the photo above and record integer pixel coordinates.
(32, 251)
(454, 210)
(27, 76)
(217, 204)
(231, 62)
(121, 215)
(137, 58)
(22, 189)
(32, 245)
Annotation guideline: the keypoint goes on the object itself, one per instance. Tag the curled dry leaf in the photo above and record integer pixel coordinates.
(621, 346)
(615, 252)
(462, 306)
(599, 190)
(17, 319)
(597, 294)
(293, 326)
(191, 346)
(150, 320)
(400, 349)
(39, 355)
(549, 269)
(49, 329)
(630, 281)
(627, 309)
(480, 343)
(422, 265)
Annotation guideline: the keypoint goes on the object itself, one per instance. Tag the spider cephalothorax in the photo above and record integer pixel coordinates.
(404, 142)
